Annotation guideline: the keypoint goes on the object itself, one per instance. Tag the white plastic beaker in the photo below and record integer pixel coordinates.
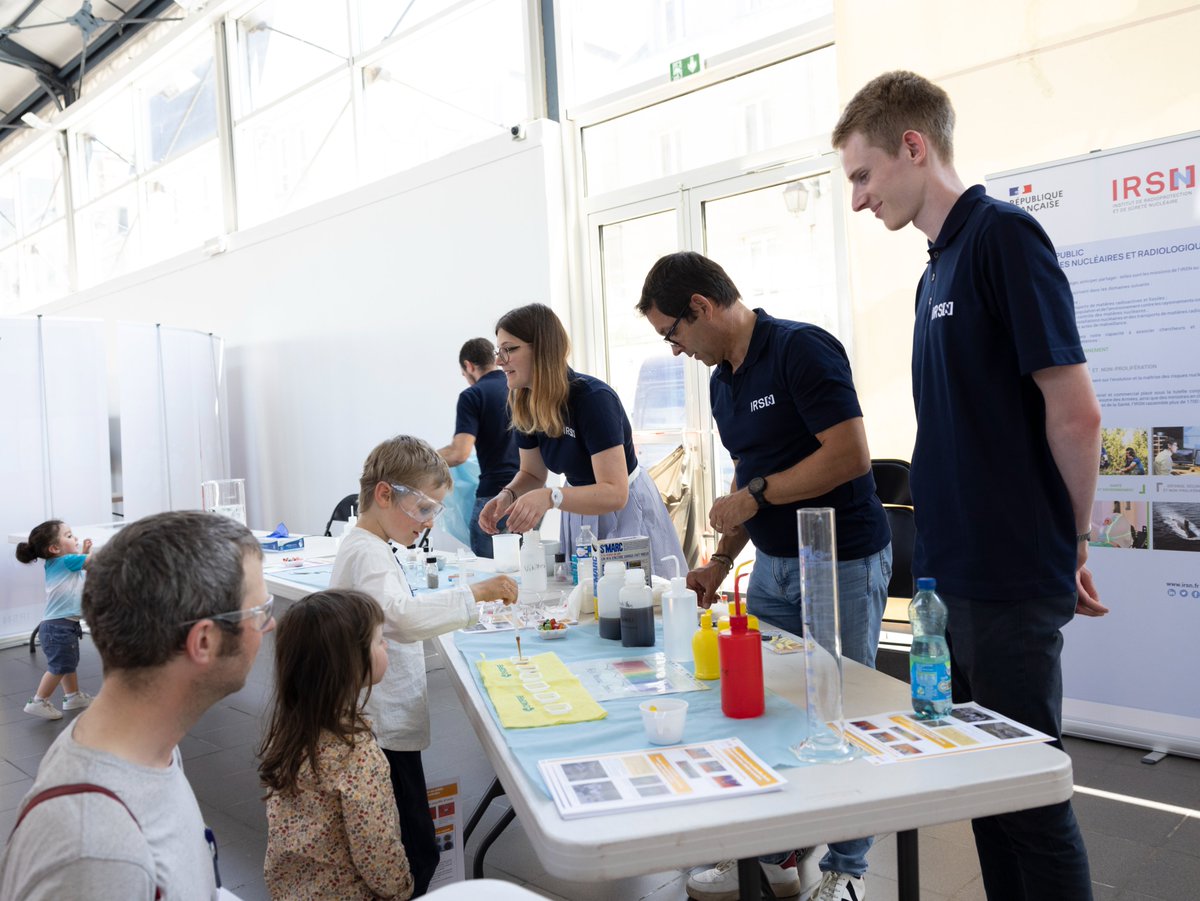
(664, 719)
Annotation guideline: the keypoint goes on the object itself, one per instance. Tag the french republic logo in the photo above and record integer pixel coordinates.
(1024, 197)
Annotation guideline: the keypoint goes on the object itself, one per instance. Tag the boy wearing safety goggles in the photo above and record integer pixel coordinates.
(400, 495)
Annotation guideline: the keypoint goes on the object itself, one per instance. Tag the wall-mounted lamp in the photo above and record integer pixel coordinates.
(795, 196)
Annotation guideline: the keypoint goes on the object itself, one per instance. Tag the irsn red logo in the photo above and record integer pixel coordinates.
(1153, 183)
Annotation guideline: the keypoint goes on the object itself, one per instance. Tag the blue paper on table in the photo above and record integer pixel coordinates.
(770, 736)
(281, 531)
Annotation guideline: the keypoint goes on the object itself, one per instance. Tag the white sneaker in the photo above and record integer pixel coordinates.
(77, 701)
(720, 883)
(43, 708)
(839, 887)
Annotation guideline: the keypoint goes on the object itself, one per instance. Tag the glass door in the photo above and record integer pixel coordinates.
(773, 232)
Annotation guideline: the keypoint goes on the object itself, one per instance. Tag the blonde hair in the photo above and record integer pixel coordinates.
(542, 406)
(404, 460)
(891, 104)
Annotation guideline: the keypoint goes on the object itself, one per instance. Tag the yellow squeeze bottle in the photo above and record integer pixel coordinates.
(704, 649)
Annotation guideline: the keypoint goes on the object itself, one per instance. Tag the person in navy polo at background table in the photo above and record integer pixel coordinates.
(1007, 431)
(481, 423)
(788, 414)
(574, 424)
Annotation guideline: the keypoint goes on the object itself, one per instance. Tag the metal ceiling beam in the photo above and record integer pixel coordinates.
(58, 84)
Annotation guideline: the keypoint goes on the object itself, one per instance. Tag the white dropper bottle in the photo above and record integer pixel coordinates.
(679, 608)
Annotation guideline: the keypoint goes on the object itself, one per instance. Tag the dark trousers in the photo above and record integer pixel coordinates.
(1005, 655)
(416, 825)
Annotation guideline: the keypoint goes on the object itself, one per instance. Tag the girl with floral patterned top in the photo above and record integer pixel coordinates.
(333, 830)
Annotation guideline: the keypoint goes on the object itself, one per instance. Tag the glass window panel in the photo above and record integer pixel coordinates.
(108, 146)
(10, 281)
(295, 154)
(108, 237)
(285, 44)
(459, 81)
(180, 103)
(616, 44)
(44, 265)
(641, 369)
(40, 189)
(181, 204)
(789, 102)
(8, 208)
(777, 245)
(379, 20)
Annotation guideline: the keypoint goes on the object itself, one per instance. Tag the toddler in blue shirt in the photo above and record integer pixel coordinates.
(60, 630)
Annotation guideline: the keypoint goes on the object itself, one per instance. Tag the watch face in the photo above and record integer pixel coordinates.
(757, 485)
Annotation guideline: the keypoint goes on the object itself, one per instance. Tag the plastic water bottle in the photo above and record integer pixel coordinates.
(929, 660)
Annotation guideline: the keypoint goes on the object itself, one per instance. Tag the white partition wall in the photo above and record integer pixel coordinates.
(174, 433)
(54, 456)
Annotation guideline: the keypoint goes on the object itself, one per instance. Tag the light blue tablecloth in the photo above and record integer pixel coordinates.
(770, 736)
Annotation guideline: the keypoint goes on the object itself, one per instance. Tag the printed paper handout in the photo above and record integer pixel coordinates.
(629, 780)
(891, 737)
(641, 677)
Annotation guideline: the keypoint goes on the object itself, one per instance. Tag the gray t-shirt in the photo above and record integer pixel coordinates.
(87, 846)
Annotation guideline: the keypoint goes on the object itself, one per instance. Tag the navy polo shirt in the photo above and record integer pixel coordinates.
(594, 422)
(994, 518)
(483, 412)
(794, 383)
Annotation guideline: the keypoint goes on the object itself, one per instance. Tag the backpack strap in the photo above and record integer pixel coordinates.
(76, 788)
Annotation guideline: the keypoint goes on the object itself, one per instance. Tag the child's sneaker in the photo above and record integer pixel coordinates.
(77, 701)
(43, 708)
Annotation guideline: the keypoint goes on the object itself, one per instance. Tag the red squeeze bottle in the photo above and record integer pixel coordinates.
(740, 653)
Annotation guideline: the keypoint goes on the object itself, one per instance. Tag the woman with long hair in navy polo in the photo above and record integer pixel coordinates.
(574, 424)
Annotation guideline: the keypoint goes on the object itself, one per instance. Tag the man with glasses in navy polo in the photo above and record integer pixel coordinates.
(177, 607)
(785, 405)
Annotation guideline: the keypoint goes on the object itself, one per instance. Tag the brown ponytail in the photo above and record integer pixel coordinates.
(40, 539)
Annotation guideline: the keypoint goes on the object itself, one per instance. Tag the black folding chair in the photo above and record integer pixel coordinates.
(346, 507)
(891, 481)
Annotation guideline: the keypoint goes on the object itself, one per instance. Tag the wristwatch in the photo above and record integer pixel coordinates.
(556, 498)
(757, 487)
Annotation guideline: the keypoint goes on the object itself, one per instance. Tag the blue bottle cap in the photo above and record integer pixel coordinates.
(926, 583)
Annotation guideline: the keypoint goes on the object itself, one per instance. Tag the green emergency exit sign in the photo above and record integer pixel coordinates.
(682, 68)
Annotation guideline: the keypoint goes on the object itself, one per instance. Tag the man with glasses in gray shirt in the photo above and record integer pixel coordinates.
(177, 606)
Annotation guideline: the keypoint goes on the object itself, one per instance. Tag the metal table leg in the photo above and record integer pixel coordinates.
(477, 869)
(908, 867)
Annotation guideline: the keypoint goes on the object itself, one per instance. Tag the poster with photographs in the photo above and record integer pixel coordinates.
(629, 780)
(447, 830)
(891, 737)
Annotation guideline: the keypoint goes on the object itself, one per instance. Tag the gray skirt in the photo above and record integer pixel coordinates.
(644, 513)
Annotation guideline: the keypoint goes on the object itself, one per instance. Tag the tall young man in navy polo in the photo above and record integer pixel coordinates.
(1007, 426)
(481, 424)
(788, 414)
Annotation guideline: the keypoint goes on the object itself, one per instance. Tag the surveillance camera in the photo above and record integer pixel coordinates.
(517, 132)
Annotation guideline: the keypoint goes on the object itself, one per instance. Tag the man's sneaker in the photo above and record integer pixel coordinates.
(77, 701)
(43, 708)
(721, 882)
(839, 887)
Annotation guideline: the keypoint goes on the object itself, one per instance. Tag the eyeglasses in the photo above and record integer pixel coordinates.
(674, 325)
(417, 504)
(259, 616)
(503, 353)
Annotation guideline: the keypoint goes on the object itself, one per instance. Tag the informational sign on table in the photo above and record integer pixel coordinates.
(447, 829)
(1126, 226)
(896, 736)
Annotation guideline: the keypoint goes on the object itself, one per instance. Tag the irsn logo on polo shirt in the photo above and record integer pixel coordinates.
(568, 431)
(762, 403)
(946, 308)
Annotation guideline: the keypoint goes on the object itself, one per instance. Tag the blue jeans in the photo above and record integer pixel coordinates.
(774, 597)
(60, 644)
(481, 541)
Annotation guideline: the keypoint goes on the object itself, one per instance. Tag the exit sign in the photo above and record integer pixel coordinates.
(682, 68)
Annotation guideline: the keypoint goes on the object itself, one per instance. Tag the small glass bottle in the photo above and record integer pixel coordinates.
(562, 570)
(431, 572)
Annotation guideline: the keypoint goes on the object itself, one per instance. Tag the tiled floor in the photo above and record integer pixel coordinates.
(1137, 853)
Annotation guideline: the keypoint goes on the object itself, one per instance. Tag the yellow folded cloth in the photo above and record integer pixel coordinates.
(537, 691)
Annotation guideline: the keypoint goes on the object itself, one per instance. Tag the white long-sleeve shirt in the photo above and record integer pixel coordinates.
(399, 705)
